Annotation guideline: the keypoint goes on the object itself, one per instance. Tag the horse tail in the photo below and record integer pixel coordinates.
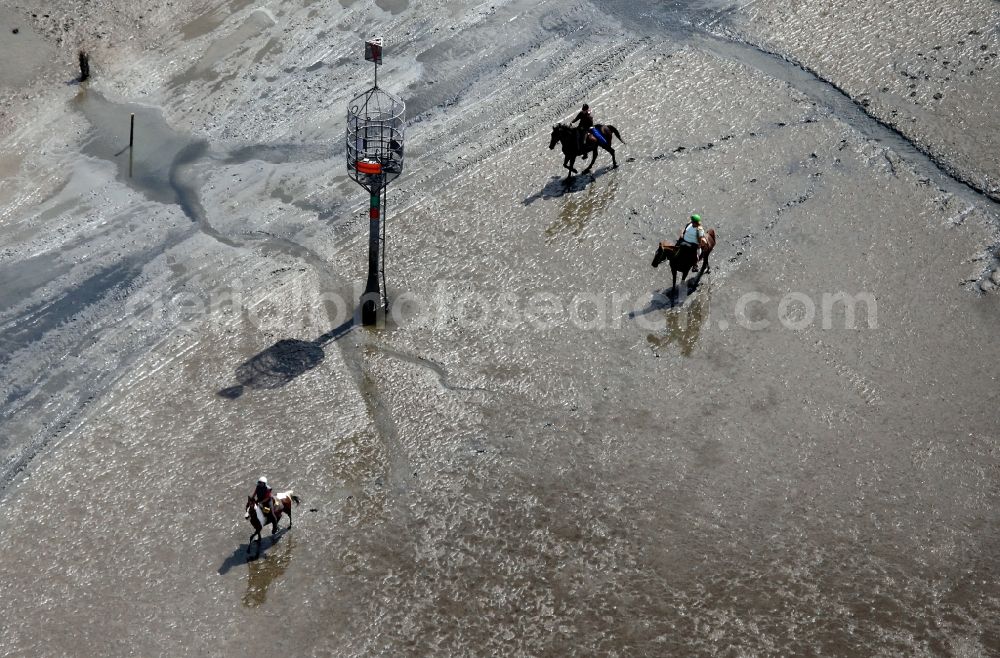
(614, 131)
(296, 499)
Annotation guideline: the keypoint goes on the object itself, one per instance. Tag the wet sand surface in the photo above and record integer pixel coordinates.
(925, 71)
(543, 451)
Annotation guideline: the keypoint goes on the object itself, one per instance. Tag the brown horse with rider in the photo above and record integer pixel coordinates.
(684, 254)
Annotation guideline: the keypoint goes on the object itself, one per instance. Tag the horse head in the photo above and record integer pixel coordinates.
(556, 135)
(663, 251)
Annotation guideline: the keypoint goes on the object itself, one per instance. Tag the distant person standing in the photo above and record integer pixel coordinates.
(586, 120)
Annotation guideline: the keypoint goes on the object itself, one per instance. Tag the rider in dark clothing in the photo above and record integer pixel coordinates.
(585, 118)
(586, 123)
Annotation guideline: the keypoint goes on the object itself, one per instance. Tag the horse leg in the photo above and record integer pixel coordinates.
(592, 161)
(257, 535)
(614, 160)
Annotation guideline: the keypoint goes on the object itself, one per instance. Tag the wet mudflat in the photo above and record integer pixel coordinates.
(544, 451)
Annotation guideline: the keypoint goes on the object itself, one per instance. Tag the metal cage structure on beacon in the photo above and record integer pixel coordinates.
(375, 138)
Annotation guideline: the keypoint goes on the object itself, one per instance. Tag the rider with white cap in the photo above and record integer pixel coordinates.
(262, 496)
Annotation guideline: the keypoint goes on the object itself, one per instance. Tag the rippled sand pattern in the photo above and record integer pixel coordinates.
(931, 70)
(543, 451)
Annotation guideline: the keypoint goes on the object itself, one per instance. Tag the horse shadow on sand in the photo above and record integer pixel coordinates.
(669, 298)
(282, 362)
(241, 554)
(577, 210)
(558, 186)
(263, 569)
(683, 327)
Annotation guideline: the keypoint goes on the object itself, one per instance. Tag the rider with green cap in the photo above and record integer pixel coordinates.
(692, 235)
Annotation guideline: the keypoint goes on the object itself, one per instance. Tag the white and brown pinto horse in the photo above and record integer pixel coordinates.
(258, 517)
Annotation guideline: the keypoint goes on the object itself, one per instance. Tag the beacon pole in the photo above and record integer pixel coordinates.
(372, 296)
(374, 158)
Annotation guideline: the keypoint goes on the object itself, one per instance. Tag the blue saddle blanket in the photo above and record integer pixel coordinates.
(598, 136)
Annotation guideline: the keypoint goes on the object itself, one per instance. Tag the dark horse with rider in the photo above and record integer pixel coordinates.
(584, 140)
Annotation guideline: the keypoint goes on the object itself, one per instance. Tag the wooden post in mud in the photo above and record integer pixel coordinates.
(131, 138)
(84, 66)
